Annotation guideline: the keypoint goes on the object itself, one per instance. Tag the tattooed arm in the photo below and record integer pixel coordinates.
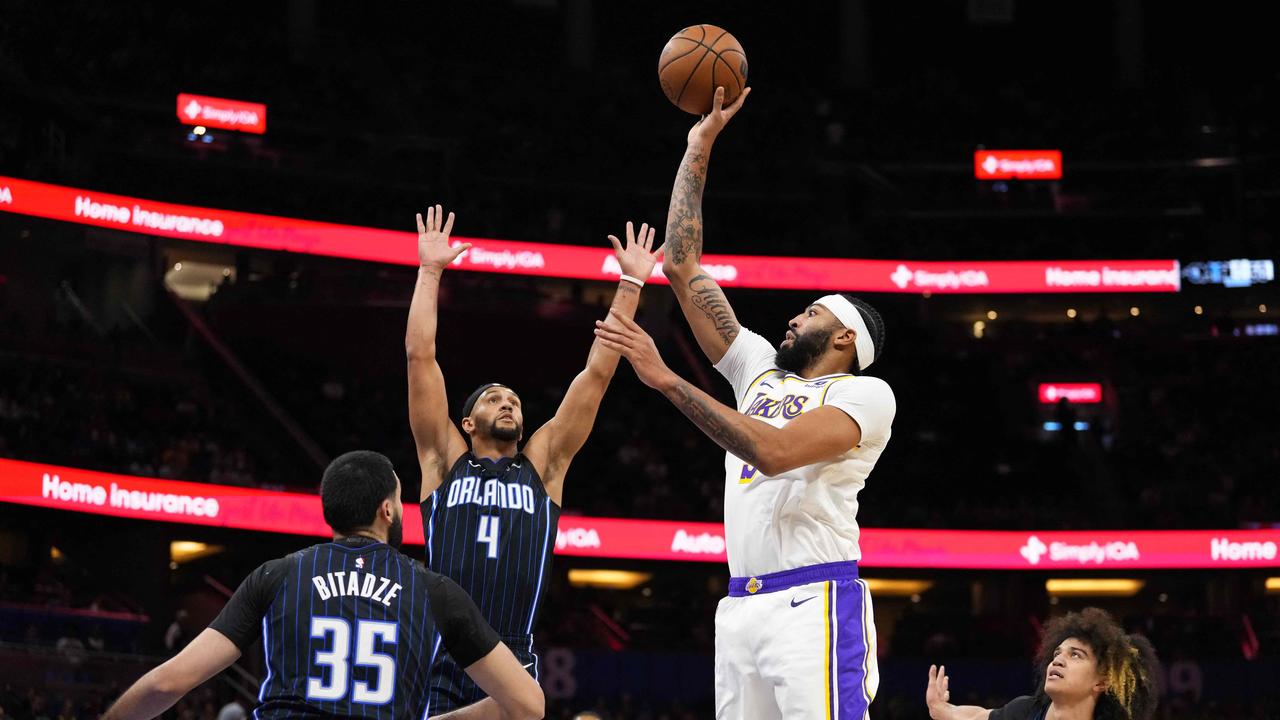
(820, 434)
(701, 298)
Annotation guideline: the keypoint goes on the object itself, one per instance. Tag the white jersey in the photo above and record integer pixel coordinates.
(805, 516)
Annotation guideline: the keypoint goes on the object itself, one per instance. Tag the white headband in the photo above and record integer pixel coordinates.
(849, 316)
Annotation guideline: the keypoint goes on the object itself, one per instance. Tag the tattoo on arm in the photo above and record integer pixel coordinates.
(706, 418)
(684, 216)
(710, 299)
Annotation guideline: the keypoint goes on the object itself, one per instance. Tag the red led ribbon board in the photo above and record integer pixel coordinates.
(1017, 164)
(222, 113)
(268, 232)
(49, 486)
(1074, 393)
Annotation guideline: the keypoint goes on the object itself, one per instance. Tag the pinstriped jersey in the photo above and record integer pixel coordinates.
(351, 628)
(491, 528)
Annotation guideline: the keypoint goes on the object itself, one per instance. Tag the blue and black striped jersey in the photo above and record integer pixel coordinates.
(351, 628)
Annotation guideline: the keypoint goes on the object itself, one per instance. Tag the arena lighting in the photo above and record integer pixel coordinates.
(267, 232)
(181, 551)
(59, 488)
(992, 314)
(1093, 587)
(608, 579)
(1273, 585)
(897, 588)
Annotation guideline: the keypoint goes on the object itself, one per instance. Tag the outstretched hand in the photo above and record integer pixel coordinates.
(434, 249)
(638, 257)
(936, 696)
(708, 128)
(625, 337)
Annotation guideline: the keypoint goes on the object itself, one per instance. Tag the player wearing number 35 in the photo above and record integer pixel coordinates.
(350, 627)
(490, 511)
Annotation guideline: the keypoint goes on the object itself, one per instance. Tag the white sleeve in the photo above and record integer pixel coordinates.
(748, 357)
(869, 401)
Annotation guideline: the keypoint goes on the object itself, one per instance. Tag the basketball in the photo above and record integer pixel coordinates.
(697, 60)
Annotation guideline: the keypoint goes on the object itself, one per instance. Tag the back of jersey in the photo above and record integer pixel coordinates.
(347, 632)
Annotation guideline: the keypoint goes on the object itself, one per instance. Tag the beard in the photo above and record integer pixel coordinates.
(803, 351)
(395, 533)
(505, 433)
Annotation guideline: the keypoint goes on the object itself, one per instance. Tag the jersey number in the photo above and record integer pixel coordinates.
(381, 689)
(489, 534)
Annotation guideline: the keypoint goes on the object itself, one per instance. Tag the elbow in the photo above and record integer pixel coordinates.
(768, 463)
(165, 682)
(418, 352)
(673, 269)
(600, 373)
(532, 705)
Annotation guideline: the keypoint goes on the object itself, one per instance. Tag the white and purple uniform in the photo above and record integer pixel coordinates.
(796, 638)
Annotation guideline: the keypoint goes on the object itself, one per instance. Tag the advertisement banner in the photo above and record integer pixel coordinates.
(222, 113)
(50, 486)
(268, 232)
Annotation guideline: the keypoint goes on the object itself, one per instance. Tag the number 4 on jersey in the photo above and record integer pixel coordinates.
(488, 533)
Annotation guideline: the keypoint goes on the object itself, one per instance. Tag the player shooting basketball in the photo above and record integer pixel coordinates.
(795, 636)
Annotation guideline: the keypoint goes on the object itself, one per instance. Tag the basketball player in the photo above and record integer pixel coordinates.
(795, 636)
(1089, 669)
(490, 510)
(350, 628)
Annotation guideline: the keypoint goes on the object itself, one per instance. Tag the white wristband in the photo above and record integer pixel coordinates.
(633, 280)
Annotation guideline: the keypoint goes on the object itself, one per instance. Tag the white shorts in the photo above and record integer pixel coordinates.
(796, 644)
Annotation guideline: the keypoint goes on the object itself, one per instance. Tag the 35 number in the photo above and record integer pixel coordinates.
(337, 632)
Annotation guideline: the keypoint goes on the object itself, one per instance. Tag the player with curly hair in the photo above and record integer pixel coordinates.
(1088, 668)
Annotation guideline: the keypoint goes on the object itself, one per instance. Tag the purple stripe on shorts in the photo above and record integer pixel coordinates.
(851, 651)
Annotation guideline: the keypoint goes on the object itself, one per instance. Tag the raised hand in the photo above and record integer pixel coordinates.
(937, 697)
(706, 129)
(434, 250)
(637, 257)
(625, 337)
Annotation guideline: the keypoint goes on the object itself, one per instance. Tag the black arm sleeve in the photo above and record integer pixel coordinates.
(1020, 708)
(466, 634)
(241, 619)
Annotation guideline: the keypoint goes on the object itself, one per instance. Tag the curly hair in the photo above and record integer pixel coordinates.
(1127, 662)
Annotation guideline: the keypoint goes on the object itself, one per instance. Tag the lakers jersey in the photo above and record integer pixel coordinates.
(806, 516)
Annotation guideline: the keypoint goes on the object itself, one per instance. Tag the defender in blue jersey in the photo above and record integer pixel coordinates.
(489, 511)
(350, 628)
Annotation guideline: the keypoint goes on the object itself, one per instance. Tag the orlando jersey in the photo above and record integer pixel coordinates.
(491, 528)
(351, 628)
